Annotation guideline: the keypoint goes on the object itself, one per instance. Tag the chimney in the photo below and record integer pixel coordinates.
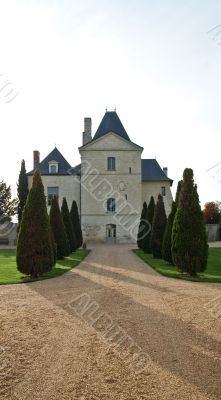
(36, 159)
(87, 131)
(165, 170)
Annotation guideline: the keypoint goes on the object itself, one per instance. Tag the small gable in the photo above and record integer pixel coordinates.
(54, 164)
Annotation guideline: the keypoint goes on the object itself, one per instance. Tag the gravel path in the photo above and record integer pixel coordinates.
(52, 351)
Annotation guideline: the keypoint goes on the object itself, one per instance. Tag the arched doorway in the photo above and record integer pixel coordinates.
(111, 233)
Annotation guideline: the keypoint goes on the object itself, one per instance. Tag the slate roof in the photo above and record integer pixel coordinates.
(111, 123)
(55, 155)
(76, 170)
(151, 171)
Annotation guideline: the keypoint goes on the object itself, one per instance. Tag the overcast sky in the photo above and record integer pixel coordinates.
(155, 61)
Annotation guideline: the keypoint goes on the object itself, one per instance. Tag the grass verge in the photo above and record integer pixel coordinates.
(9, 273)
(212, 273)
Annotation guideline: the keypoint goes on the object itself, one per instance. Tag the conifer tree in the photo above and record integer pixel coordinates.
(189, 238)
(150, 214)
(158, 228)
(22, 190)
(68, 225)
(34, 248)
(167, 238)
(58, 229)
(75, 218)
(142, 226)
(179, 187)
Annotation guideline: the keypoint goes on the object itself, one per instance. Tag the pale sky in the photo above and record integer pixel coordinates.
(152, 60)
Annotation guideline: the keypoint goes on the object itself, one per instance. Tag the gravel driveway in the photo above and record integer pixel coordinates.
(48, 351)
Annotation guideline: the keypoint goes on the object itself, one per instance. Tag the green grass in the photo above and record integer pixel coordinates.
(10, 274)
(212, 273)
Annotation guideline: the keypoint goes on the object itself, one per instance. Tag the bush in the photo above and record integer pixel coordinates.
(34, 248)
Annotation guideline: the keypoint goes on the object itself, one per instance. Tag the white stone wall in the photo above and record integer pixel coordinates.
(99, 184)
(153, 189)
(69, 187)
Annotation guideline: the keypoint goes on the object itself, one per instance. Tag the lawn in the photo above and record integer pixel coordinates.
(10, 274)
(212, 273)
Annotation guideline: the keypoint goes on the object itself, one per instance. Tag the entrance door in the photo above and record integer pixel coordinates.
(111, 234)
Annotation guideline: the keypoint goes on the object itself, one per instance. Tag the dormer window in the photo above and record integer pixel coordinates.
(53, 167)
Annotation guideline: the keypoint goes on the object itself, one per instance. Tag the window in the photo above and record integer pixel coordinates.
(126, 196)
(52, 191)
(163, 191)
(53, 167)
(111, 163)
(111, 206)
(130, 170)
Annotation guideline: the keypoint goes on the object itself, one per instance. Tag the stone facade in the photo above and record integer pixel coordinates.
(153, 189)
(68, 186)
(98, 184)
(109, 197)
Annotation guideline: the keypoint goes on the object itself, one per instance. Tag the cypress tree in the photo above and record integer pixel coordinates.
(179, 187)
(75, 218)
(34, 249)
(167, 238)
(189, 238)
(68, 225)
(142, 226)
(150, 214)
(22, 191)
(58, 229)
(54, 245)
(158, 228)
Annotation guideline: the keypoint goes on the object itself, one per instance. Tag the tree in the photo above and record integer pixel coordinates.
(158, 228)
(146, 246)
(58, 229)
(22, 190)
(189, 238)
(142, 226)
(179, 187)
(8, 206)
(68, 225)
(167, 237)
(54, 245)
(75, 218)
(34, 248)
(211, 212)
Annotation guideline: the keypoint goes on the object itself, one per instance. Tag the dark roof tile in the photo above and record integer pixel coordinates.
(111, 123)
(151, 171)
(55, 155)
